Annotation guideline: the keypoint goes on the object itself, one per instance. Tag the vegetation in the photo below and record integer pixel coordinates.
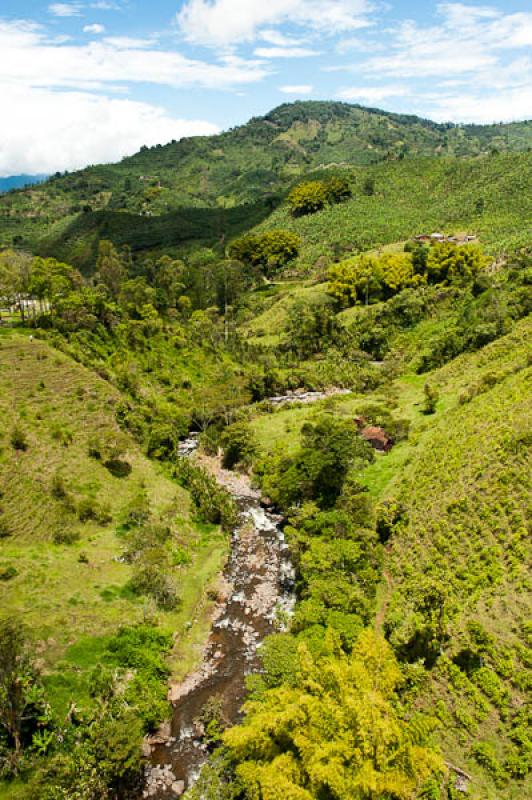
(184, 288)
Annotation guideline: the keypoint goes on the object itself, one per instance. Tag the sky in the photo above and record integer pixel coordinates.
(85, 82)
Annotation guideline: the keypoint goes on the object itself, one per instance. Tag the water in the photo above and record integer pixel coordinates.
(260, 597)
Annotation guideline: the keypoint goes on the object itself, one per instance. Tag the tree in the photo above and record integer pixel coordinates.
(336, 733)
(270, 251)
(337, 189)
(110, 268)
(15, 271)
(21, 698)
(319, 469)
(311, 326)
(459, 263)
(239, 445)
(307, 198)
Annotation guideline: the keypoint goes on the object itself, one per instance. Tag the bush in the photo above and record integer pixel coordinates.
(90, 509)
(18, 439)
(431, 397)
(213, 503)
(151, 578)
(312, 196)
(307, 198)
(58, 487)
(239, 445)
(63, 536)
(8, 573)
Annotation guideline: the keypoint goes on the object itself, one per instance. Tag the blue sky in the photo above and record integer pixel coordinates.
(90, 81)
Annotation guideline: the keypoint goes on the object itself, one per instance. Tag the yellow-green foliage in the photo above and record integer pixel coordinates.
(361, 278)
(446, 261)
(269, 250)
(335, 733)
(306, 198)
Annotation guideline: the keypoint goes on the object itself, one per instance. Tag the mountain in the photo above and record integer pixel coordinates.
(20, 181)
(259, 159)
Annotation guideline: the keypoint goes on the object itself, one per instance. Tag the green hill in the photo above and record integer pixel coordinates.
(63, 512)
(257, 160)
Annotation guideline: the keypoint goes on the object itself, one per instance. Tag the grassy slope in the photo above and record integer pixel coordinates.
(462, 477)
(465, 487)
(418, 196)
(66, 603)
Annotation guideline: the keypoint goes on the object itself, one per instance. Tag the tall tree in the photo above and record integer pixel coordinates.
(110, 267)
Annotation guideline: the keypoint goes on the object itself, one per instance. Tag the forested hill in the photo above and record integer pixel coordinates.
(262, 157)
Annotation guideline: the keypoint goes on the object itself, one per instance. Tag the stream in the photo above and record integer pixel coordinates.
(258, 599)
(259, 581)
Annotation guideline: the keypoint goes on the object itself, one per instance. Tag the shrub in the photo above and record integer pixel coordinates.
(63, 536)
(8, 573)
(307, 198)
(89, 508)
(58, 487)
(312, 196)
(213, 503)
(18, 439)
(239, 445)
(138, 511)
(431, 397)
(150, 578)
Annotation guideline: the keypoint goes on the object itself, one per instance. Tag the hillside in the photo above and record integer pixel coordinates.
(453, 494)
(255, 161)
(63, 519)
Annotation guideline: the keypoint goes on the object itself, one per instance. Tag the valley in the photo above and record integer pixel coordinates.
(264, 466)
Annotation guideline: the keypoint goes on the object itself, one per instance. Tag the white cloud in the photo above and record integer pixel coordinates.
(94, 28)
(51, 131)
(372, 94)
(512, 105)
(222, 23)
(29, 58)
(65, 9)
(299, 90)
(285, 52)
(280, 39)
(468, 40)
(55, 124)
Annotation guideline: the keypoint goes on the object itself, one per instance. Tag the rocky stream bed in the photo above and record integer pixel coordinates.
(259, 596)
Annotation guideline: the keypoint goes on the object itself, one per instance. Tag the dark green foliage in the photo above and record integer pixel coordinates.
(19, 440)
(270, 251)
(311, 328)
(212, 502)
(23, 708)
(239, 445)
(141, 647)
(319, 470)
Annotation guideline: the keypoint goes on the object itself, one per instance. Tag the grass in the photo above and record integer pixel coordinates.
(70, 603)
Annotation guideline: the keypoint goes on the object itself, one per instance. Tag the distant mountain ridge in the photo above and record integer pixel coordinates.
(20, 181)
